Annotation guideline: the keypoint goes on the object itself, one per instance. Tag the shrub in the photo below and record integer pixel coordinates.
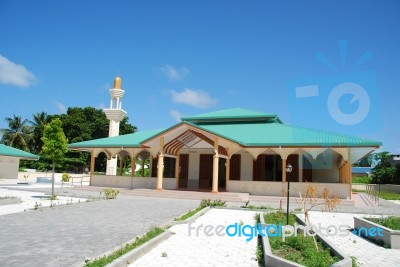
(65, 177)
(110, 193)
(212, 203)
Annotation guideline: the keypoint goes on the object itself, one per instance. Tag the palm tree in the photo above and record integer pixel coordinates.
(39, 121)
(18, 134)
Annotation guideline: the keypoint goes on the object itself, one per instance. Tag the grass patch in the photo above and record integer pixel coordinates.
(260, 252)
(203, 204)
(254, 207)
(189, 214)
(103, 261)
(391, 222)
(298, 248)
(358, 190)
(259, 248)
(389, 195)
(361, 180)
(354, 262)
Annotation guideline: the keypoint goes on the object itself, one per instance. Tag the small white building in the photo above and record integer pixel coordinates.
(9, 161)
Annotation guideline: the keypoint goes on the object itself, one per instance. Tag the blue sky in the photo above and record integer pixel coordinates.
(179, 58)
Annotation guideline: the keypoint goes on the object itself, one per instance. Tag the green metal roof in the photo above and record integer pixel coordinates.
(127, 140)
(245, 127)
(277, 134)
(13, 152)
(230, 115)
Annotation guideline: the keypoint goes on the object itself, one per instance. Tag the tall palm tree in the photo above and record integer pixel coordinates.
(18, 134)
(39, 121)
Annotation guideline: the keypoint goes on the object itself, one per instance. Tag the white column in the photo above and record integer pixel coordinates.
(177, 172)
(91, 166)
(215, 174)
(227, 170)
(300, 167)
(160, 170)
(160, 165)
(215, 168)
(283, 170)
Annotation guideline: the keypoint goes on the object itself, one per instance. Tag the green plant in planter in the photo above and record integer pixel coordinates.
(66, 177)
(110, 193)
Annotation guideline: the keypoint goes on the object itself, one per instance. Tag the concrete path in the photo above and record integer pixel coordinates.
(366, 252)
(202, 250)
(66, 235)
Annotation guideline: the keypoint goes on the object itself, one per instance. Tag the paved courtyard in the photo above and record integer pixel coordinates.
(66, 235)
(190, 249)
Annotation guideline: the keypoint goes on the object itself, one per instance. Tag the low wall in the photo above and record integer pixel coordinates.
(388, 236)
(31, 176)
(278, 188)
(384, 187)
(130, 182)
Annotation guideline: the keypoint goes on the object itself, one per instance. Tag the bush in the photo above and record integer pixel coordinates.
(384, 172)
(110, 193)
(212, 203)
(65, 177)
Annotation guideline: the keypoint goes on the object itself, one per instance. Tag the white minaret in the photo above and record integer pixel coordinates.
(115, 114)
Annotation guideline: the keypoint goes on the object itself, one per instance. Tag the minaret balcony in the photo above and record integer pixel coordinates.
(115, 114)
(116, 93)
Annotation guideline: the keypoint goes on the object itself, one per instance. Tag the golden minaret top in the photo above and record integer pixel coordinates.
(117, 82)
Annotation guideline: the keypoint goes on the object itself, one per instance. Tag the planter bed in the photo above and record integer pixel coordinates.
(390, 238)
(273, 260)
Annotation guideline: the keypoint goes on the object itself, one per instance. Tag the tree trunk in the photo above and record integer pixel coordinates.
(52, 179)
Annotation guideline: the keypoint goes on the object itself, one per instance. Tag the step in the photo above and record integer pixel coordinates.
(235, 197)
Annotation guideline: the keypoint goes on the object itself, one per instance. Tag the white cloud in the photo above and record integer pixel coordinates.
(196, 98)
(15, 74)
(102, 106)
(174, 74)
(176, 115)
(61, 108)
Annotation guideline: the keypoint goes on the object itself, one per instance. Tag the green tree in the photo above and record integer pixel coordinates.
(82, 124)
(384, 172)
(18, 134)
(54, 144)
(40, 119)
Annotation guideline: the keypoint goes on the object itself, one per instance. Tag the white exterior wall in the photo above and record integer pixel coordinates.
(246, 166)
(194, 164)
(9, 167)
(277, 188)
(128, 182)
(328, 172)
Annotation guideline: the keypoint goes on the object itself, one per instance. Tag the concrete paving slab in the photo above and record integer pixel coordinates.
(66, 235)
